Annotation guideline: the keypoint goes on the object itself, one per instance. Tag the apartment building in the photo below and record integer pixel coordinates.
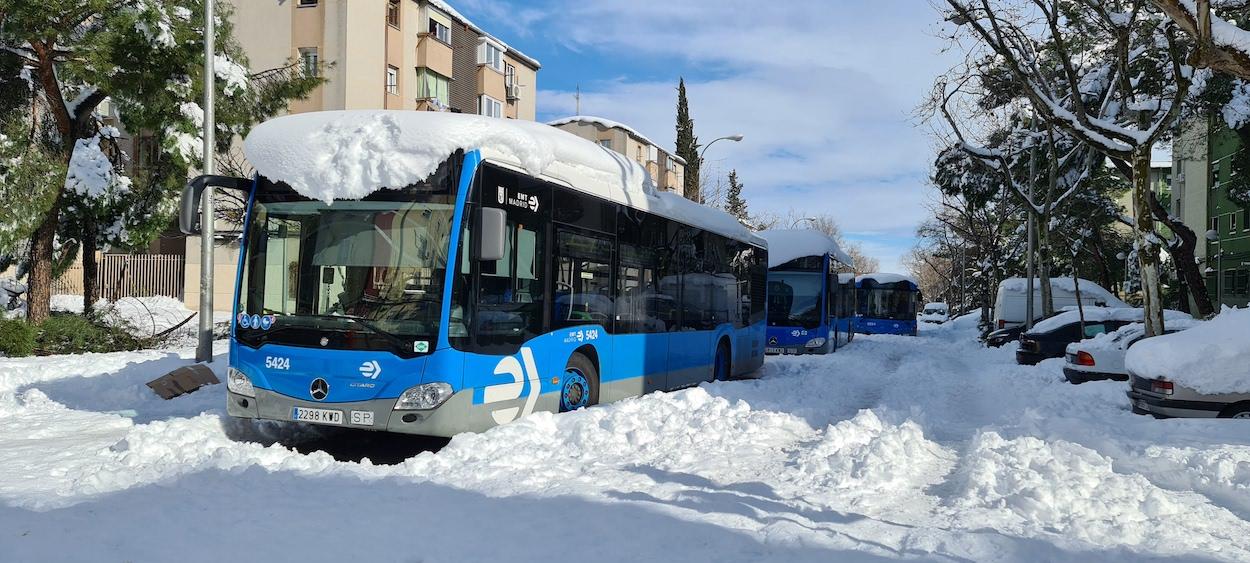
(667, 169)
(1203, 154)
(389, 54)
(419, 55)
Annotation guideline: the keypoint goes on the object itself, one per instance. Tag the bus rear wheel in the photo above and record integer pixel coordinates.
(581, 384)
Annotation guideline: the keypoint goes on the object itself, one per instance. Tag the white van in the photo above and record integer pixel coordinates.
(1011, 307)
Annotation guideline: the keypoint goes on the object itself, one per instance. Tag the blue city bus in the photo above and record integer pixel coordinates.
(482, 293)
(807, 309)
(887, 304)
(847, 308)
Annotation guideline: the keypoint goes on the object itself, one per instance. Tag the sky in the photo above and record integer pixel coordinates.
(824, 92)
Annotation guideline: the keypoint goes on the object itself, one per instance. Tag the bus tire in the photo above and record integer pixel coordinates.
(581, 383)
(722, 364)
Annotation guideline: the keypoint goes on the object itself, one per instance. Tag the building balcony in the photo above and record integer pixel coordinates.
(434, 55)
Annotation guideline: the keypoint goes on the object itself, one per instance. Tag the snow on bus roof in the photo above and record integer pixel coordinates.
(350, 154)
(785, 245)
(881, 277)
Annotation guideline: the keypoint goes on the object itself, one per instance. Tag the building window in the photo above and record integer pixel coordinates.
(606, 143)
(308, 61)
(490, 107)
(434, 87)
(392, 80)
(1245, 219)
(490, 54)
(1232, 223)
(440, 31)
(308, 3)
(1215, 224)
(392, 13)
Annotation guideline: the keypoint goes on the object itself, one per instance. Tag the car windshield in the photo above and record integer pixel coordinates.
(794, 299)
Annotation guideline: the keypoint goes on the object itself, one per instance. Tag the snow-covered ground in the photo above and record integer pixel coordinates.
(927, 448)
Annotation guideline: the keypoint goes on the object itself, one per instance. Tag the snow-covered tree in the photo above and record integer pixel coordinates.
(1109, 73)
(146, 57)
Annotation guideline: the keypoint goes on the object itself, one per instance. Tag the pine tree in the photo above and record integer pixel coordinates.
(734, 204)
(147, 59)
(687, 144)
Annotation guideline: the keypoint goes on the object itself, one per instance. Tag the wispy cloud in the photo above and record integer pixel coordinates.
(823, 91)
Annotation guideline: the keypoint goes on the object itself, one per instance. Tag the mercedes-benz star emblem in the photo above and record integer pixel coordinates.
(773, 341)
(319, 389)
(324, 341)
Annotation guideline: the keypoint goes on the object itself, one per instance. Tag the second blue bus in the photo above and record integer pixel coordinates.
(887, 304)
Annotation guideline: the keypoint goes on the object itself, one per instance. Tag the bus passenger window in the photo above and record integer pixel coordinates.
(583, 281)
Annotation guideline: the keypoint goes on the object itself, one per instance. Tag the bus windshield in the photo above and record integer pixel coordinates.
(886, 302)
(794, 299)
(378, 264)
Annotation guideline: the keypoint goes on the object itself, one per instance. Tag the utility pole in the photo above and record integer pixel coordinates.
(1028, 307)
(578, 100)
(204, 347)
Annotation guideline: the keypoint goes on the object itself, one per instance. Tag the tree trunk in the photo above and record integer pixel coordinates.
(1100, 256)
(1184, 259)
(90, 270)
(39, 293)
(1043, 264)
(1146, 242)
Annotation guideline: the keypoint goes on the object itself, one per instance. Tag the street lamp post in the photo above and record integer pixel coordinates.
(204, 344)
(735, 138)
(800, 220)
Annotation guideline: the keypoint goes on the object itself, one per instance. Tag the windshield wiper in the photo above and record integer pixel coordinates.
(395, 338)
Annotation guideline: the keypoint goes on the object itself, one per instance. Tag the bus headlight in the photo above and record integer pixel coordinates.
(239, 383)
(424, 397)
(816, 342)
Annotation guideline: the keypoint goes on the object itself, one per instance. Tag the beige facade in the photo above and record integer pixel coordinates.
(666, 169)
(389, 54)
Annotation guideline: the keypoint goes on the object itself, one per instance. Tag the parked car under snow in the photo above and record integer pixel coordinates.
(1102, 357)
(1049, 338)
(1203, 372)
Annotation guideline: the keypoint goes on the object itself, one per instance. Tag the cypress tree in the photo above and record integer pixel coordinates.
(687, 144)
(734, 204)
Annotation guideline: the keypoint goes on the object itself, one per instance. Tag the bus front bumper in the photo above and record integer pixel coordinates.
(456, 415)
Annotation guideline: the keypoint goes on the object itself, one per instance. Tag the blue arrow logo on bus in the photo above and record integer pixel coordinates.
(371, 369)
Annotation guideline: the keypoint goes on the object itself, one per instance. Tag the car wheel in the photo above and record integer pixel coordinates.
(1239, 410)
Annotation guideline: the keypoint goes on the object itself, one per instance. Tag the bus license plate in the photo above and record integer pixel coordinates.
(774, 350)
(318, 416)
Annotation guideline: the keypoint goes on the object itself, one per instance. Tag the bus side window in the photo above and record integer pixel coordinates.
(583, 281)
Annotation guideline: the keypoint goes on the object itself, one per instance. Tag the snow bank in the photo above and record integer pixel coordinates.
(1064, 286)
(1101, 314)
(785, 245)
(1031, 486)
(1213, 358)
(886, 278)
(866, 454)
(350, 154)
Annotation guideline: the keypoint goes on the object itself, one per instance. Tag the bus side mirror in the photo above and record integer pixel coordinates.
(492, 224)
(189, 208)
